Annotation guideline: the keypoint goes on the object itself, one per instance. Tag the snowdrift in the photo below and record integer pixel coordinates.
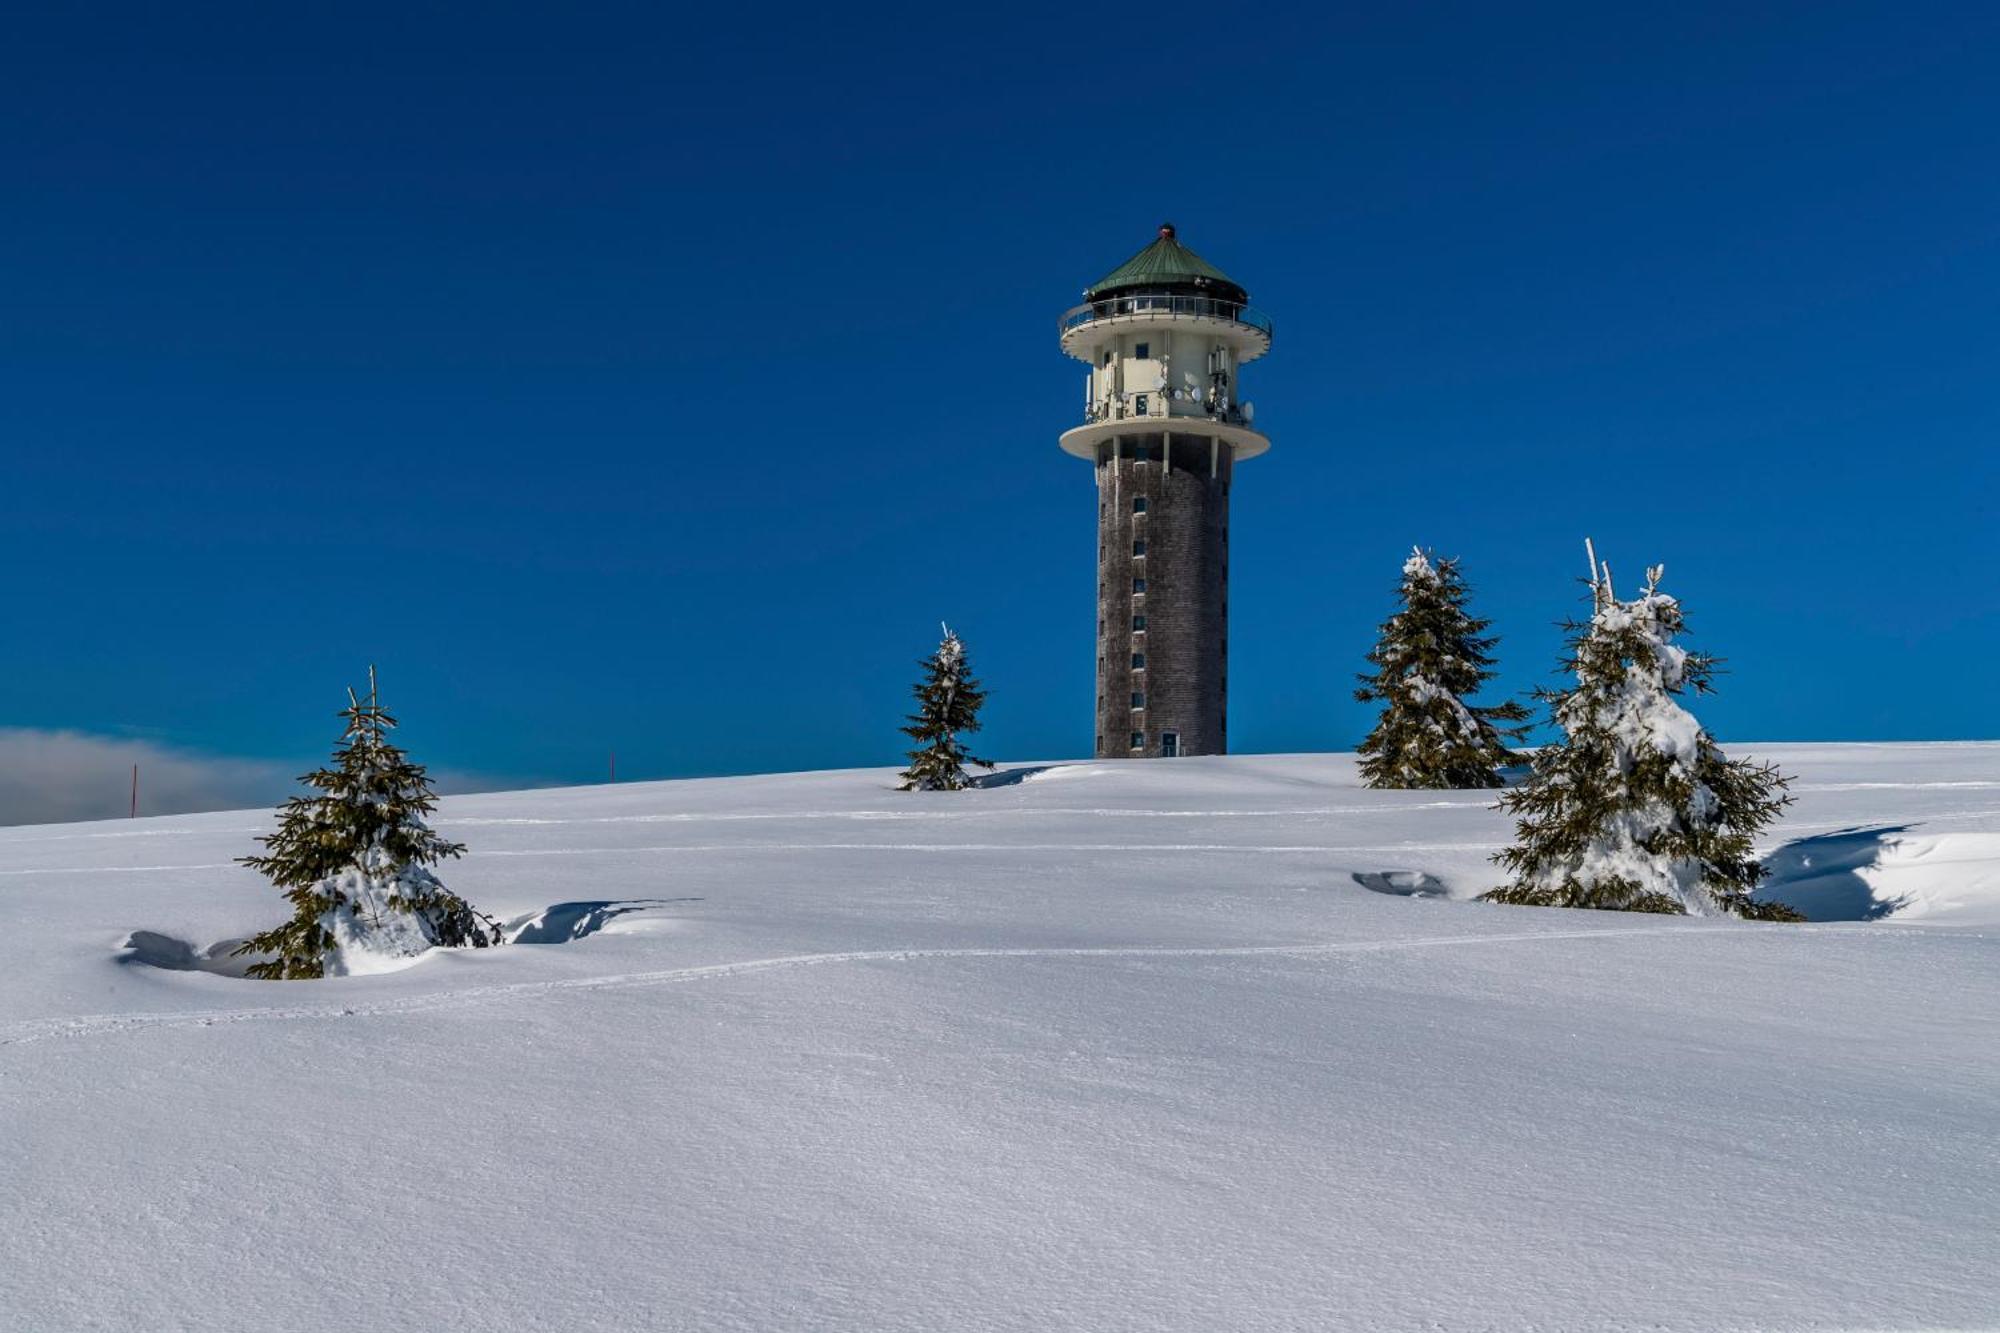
(1888, 873)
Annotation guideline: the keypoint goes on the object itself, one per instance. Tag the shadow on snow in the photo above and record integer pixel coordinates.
(562, 923)
(1821, 875)
(149, 948)
(1401, 883)
(1009, 777)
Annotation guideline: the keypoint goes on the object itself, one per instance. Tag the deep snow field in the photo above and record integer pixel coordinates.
(1170, 1045)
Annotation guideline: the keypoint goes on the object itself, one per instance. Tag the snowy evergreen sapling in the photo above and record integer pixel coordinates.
(948, 700)
(1431, 657)
(1637, 809)
(354, 861)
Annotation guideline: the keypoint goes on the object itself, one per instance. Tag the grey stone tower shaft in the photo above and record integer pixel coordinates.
(1162, 597)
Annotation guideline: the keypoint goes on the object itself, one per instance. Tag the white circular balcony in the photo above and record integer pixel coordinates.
(1243, 442)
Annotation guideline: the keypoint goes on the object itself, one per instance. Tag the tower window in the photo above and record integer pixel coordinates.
(1138, 698)
(1139, 409)
(1138, 504)
(1138, 586)
(1142, 350)
(1139, 547)
(1107, 356)
(1138, 624)
(1138, 661)
(1138, 740)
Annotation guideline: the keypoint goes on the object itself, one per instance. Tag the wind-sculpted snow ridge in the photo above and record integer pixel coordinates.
(1176, 1045)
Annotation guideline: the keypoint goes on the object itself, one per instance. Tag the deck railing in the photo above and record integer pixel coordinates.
(1192, 307)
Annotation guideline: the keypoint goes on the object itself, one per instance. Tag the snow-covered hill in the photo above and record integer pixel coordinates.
(1201, 1044)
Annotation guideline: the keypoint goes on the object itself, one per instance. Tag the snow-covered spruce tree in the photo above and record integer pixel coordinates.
(1637, 810)
(354, 862)
(1432, 655)
(948, 700)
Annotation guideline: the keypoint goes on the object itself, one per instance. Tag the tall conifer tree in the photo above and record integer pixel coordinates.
(1637, 809)
(354, 861)
(1433, 655)
(948, 700)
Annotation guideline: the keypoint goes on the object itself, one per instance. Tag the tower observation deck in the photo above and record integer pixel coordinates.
(1165, 335)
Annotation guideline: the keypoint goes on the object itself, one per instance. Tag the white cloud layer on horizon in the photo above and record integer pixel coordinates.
(59, 777)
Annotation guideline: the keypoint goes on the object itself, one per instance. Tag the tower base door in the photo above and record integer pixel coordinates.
(1170, 745)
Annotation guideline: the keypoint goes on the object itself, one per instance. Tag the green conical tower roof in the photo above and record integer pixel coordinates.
(1166, 264)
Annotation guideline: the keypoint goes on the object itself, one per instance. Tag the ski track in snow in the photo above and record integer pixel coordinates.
(1250, 848)
(1475, 801)
(718, 848)
(120, 870)
(93, 1025)
(742, 847)
(1036, 811)
(1482, 800)
(862, 816)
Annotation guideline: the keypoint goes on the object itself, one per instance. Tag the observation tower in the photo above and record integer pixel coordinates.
(1165, 335)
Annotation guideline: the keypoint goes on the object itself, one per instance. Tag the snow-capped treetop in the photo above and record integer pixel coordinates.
(1628, 670)
(951, 653)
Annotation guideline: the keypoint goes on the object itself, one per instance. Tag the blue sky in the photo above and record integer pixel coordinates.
(657, 379)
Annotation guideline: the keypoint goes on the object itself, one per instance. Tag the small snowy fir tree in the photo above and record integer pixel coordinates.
(948, 700)
(1430, 658)
(354, 861)
(1637, 810)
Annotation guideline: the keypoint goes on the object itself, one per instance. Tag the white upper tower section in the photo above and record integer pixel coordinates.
(1166, 335)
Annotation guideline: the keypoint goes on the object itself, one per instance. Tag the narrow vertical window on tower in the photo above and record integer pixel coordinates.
(1138, 504)
(1139, 547)
(1138, 740)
